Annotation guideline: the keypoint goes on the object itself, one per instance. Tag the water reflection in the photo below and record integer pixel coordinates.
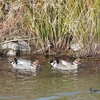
(65, 71)
(10, 97)
(21, 73)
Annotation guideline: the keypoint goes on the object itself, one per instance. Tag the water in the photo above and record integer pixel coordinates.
(50, 84)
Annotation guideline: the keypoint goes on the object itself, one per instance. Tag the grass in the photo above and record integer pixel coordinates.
(54, 22)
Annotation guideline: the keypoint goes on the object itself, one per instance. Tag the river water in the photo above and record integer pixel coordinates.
(50, 84)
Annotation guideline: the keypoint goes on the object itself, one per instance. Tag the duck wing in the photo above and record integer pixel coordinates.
(65, 63)
(24, 62)
(62, 67)
(24, 67)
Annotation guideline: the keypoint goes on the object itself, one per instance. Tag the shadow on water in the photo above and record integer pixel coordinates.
(50, 84)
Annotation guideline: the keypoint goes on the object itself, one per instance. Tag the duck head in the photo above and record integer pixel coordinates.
(16, 61)
(77, 61)
(36, 64)
(57, 60)
(54, 63)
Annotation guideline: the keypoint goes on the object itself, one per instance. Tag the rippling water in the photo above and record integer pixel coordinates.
(50, 84)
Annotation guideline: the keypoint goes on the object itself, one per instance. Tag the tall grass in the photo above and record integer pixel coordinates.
(55, 22)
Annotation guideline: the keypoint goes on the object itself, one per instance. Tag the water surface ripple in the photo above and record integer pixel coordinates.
(50, 84)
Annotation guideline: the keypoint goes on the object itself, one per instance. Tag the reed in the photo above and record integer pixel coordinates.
(60, 22)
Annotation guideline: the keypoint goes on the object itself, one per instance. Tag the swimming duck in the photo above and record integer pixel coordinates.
(64, 65)
(23, 64)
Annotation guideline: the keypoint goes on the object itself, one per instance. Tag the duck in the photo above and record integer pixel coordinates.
(9, 52)
(12, 52)
(64, 65)
(76, 47)
(23, 64)
(92, 90)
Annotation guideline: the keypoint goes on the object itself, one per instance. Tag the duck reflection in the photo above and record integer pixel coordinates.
(21, 73)
(65, 71)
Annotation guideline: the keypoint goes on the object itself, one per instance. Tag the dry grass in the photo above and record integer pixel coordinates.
(52, 22)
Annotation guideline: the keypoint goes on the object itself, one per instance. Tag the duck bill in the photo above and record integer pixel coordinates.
(81, 66)
(39, 67)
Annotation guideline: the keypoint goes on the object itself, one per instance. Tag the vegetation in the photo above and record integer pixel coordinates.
(51, 23)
